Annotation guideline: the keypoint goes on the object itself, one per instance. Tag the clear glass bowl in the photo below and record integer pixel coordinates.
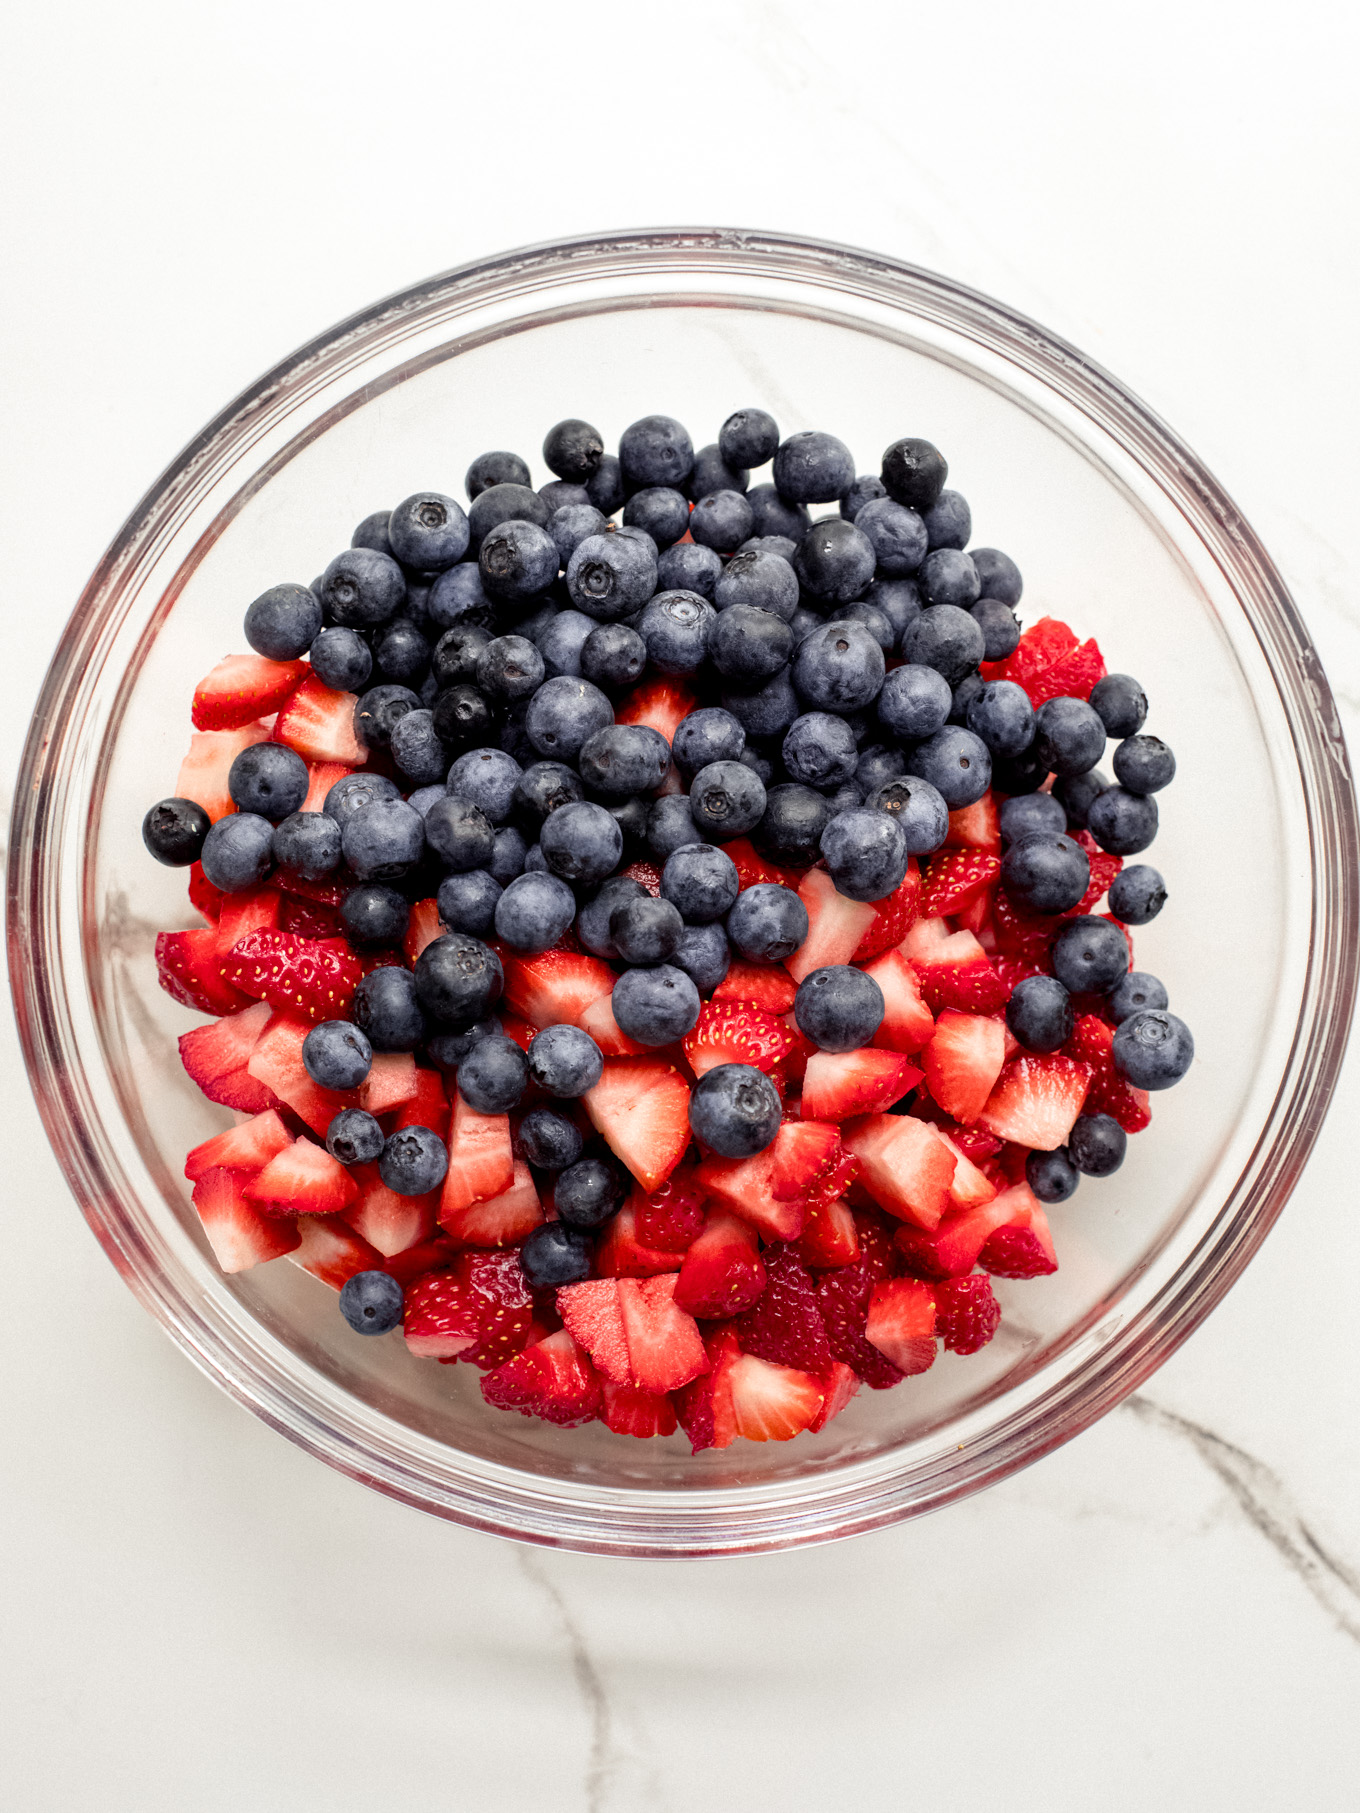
(1117, 528)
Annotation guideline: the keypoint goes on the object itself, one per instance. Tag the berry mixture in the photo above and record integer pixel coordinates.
(665, 947)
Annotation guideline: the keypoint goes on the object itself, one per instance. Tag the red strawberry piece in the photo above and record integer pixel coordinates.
(839, 1084)
(423, 927)
(901, 1323)
(963, 1061)
(955, 877)
(504, 1302)
(593, 1312)
(621, 1253)
(771, 1403)
(500, 1220)
(628, 1410)
(315, 977)
(276, 1062)
(836, 926)
(1104, 868)
(662, 703)
(248, 1147)
(766, 986)
(953, 1248)
(392, 1081)
(252, 910)
(785, 1324)
(975, 827)
(481, 1163)
(641, 1107)
(239, 1235)
(792, 1067)
(555, 988)
(330, 1250)
(1092, 1044)
(303, 1179)
(427, 1106)
(804, 1152)
(322, 776)
(734, 1032)
(904, 1165)
(1070, 677)
(242, 688)
(843, 1298)
(974, 1142)
(318, 722)
(438, 1253)
(1042, 644)
(598, 1020)
(330, 891)
(704, 1406)
(391, 1223)
(203, 772)
(967, 987)
(519, 1032)
(634, 1331)
(1014, 969)
(722, 1273)
(969, 1185)
(1036, 1100)
(442, 1318)
(829, 1237)
(837, 1387)
(893, 917)
(752, 868)
(647, 874)
(930, 944)
(966, 1314)
(1019, 1251)
(216, 1057)
(744, 1186)
(552, 1379)
(907, 1022)
(1023, 934)
(187, 968)
(309, 918)
(673, 1216)
(203, 895)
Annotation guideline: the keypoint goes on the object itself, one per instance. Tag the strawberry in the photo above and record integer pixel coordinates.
(438, 1253)
(442, 1318)
(239, 1235)
(744, 1186)
(1071, 677)
(1042, 644)
(500, 1220)
(893, 917)
(752, 867)
(552, 1379)
(952, 1249)
(426, 1106)
(785, 1324)
(722, 1273)
(641, 1107)
(634, 1332)
(766, 986)
(1021, 1251)
(907, 1022)
(391, 1223)
(969, 1186)
(839, 1084)
(216, 1057)
(203, 772)
(953, 878)
(647, 874)
(309, 918)
(1104, 868)
(252, 910)
(248, 1147)
(966, 987)
(771, 1403)
(704, 1406)
(330, 1250)
(804, 1152)
(481, 1163)
(555, 988)
(277, 1063)
(974, 1142)
(836, 926)
(187, 969)
(628, 1410)
(673, 1215)
(330, 891)
(1036, 1100)
(303, 1179)
(966, 1314)
(423, 927)
(975, 827)
(504, 1304)
(963, 1061)
(598, 1020)
(837, 1387)
(904, 1165)
(1011, 970)
(901, 1324)
(322, 776)
(519, 1032)
(663, 703)
(1024, 934)
(392, 1080)
(621, 1253)
(242, 688)
(1092, 1044)
(734, 1032)
(319, 723)
(204, 896)
(314, 977)
(828, 1236)
(843, 1298)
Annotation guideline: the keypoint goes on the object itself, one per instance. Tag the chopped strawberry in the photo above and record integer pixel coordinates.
(840, 1084)
(391, 1223)
(239, 1235)
(628, 1410)
(645, 873)
(188, 969)
(428, 1106)
(975, 827)
(555, 988)
(303, 1179)
(248, 1147)
(552, 1379)
(500, 1220)
(1012, 970)
(203, 772)
(963, 1061)
(277, 1062)
(314, 977)
(641, 1107)
(785, 1324)
(762, 985)
(330, 1250)
(931, 945)
(1042, 644)
(836, 926)
(955, 877)
(968, 987)
(634, 1331)
(907, 1022)
(598, 1020)
(829, 1236)
(735, 1032)
(1092, 1044)
(752, 868)
(1104, 868)
(966, 1314)
(1021, 1251)
(745, 1187)
(837, 1386)
(969, 1185)
(1036, 1100)
(423, 927)
(804, 1152)
(330, 891)
(722, 1273)
(252, 910)
(843, 1298)
(519, 1032)
(901, 1324)
(438, 1253)
(392, 1080)
(309, 918)
(771, 1403)
(953, 1248)
(481, 1163)
(1023, 934)
(442, 1318)
(322, 776)
(672, 1216)
(904, 1165)
(1070, 677)
(621, 1253)
(204, 896)
(319, 723)
(216, 1057)
(663, 703)
(894, 917)
(504, 1303)
(242, 688)
(704, 1406)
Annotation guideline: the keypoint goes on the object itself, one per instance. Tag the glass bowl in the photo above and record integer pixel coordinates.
(1117, 528)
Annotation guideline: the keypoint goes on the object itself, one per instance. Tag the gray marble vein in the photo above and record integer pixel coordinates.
(602, 1757)
(1264, 1499)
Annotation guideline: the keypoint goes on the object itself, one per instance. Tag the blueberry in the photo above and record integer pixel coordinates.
(458, 979)
(949, 521)
(1051, 1175)
(877, 622)
(467, 903)
(656, 451)
(517, 559)
(268, 779)
(417, 750)
(428, 532)
(560, 644)
(501, 504)
(610, 577)
(238, 851)
(548, 1141)
(847, 797)
(1096, 1144)
(456, 654)
(564, 714)
(554, 1255)
(688, 567)
(1090, 955)
(1069, 738)
(1137, 894)
(342, 659)
(1000, 630)
(712, 473)
(708, 735)
(494, 1075)
(839, 668)
(704, 955)
(655, 1006)
(767, 923)
(999, 575)
(773, 514)
(174, 831)
(560, 494)
(768, 710)
(1121, 822)
(387, 1009)
(785, 546)
(372, 533)
(721, 520)
(459, 600)
(945, 638)
(1045, 872)
(448, 1049)
(624, 759)
(1039, 1013)
(839, 1008)
(605, 487)
(898, 538)
(670, 825)
(915, 702)
(459, 834)
(565, 1061)
(509, 667)
(866, 852)
(401, 654)
(1142, 764)
(876, 765)
(867, 486)
(957, 764)
(570, 525)
(573, 449)
(487, 778)
(1077, 793)
(377, 713)
(726, 800)
(374, 915)
(900, 602)
(919, 809)
(913, 473)
(1153, 1050)
(748, 646)
(645, 930)
(790, 830)
(735, 1110)
(820, 750)
(352, 792)
(701, 882)
(362, 587)
(283, 622)
(1030, 813)
(1122, 704)
(534, 911)
(1136, 993)
(675, 627)
(763, 581)
(372, 1303)
(336, 1055)
(494, 469)
(748, 438)
(544, 787)
(414, 1160)
(581, 842)
(948, 576)
(969, 688)
(587, 1193)
(592, 922)
(354, 1137)
(509, 855)
(462, 718)
(835, 561)
(382, 840)
(1003, 717)
(813, 468)
(663, 513)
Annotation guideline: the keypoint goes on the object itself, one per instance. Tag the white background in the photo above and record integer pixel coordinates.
(195, 1616)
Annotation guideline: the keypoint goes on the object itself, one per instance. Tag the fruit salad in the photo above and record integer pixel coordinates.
(665, 939)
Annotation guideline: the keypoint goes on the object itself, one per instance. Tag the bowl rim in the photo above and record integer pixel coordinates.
(615, 1524)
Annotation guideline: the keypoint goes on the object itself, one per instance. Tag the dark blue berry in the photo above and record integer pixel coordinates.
(819, 750)
(1144, 764)
(876, 765)
(948, 576)
(1137, 894)
(488, 778)
(605, 487)
(413, 1161)
(1039, 1013)
(898, 538)
(866, 852)
(877, 622)
(573, 449)
(813, 468)
(949, 521)
(704, 955)
(785, 546)
(1069, 737)
(456, 653)
(708, 735)
(387, 1009)
(462, 718)
(957, 764)
(670, 825)
(1122, 704)
(969, 688)
(687, 567)
(459, 600)
(610, 577)
(378, 712)
(534, 911)
(1077, 793)
(501, 504)
(749, 646)
(839, 668)
(459, 834)
(913, 472)
(999, 575)
(174, 831)
(353, 792)
(656, 450)
(749, 437)
(448, 1049)
(374, 915)
(701, 882)
(655, 1006)
(509, 855)
(622, 760)
(1121, 822)
(238, 851)
(428, 532)
(548, 1141)
(867, 486)
(1000, 629)
(570, 524)
(581, 842)
(839, 1008)
(401, 654)
(773, 514)
(1153, 1050)
(765, 581)
(269, 779)
(721, 520)
(1001, 714)
(1096, 1145)
(509, 667)
(560, 494)
(612, 655)
(835, 561)
(372, 533)
(945, 638)
(565, 1061)
(554, 1255)
(467, 903)
(915, 702)
(727, 800)
(564, 714)
(1046, 872)
(768, 710)
(1051, 1175)
(919, 809)
(336, 1055)
(791, 829)
(676, 627)
(458, 980)
(1031, 813)
(383, 840)
(417, 749)
(592, 922)
(494, 469)
(517, 559)
(711, 473)
(767, 922)
(354, 1137)
(283, 622)
(1136, 993)
(372, 1303)
(663, 513)
(900, 602)
(587, 1193)
(342, 659)
(735, 1110)
(1090, 956)
(543, 788)
(361, 588)
(645, 930)
(494, 1075)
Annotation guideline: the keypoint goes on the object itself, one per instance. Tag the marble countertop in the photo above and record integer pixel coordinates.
(1166, 1611)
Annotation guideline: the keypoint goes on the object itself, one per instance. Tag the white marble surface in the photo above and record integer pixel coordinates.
(1167, 1611)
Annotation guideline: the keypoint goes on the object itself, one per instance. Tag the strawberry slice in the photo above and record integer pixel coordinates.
(330, 1250)
(804, 1152)
(505, 1301)
(735, 1032)
(187, 968)
(966, 1314)
(966, 987)
(203, 772)
(663, 703)
(277, 1062)
(752, 867)
(641, 1107)
(904, 1165)
(303, 1179)
(901, 1324)
(553, 1379)
(500, 1220)
(321, 777)
(1017, 1251)
(598, 1020)
(593, 1313)
(829, 1237)
(438, 1253)
(314, 977)
(704, 1406)
(204, 897)
(426, 1106)
(843, 1298)
(840, 1084)
(252, 910)
(1014, 969)
(242, 688)
(837, 1387)
(785, 1325)
(634, 1331)
(423, 927)
(1092, 1044)
(893, 917)
(1104, 868)
(953, 1248)
(723, 1273)
(620, 1252)
(953, 878)
(771, 1403)
(216, 1057)
(975, 827)
(1042, 644)
(766, 986)
(745, 1187)
(1036, 1101)
(907, 1022)
(309, 919)
(1070, 677)
(442, 1318)
(628, 1410)
(248, 1147)
(1025, 934)
(836, 926)
(239, 1235)
(645, 873)
(392, 1080)
(481, 1162)
(391, 1223)
(318, 722)
(554, 988)
(671, 1217)
(969, 1186)
(963, 1061)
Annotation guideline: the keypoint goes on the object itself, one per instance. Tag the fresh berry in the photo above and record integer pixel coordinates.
(671, 1217)
(901, 1323)
(302, 1179)
(318, 722)
(955, 877)
(893, 918)
(217, 1057)
(1020, 1250)
(966, 1314)
(238, 1233)
(771, 1403)
(837, 1085)
(553, 1379)
(481, 1163)
(248, 1147)
(1036, 1100)
(502, 1218)
(843, 1297)
(734, 1111)
(722, 1273)
(312, 977)
(758, 984)
(641, 1108)
(785, 1325)
(188, 969)
(962, 1062)
(242, 688)
(704, 1407)
(634, 1332)
(904, 1165)
(736, 1032)
(628, 1410)
(829, 1237)
(330, 1250)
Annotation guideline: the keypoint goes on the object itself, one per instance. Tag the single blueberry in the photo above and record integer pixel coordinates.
(624, 759)
(543, 788)
(509, 855)
(766, 711)
(835, 561)
(969, 688)
(467, 903)
(749, 437)
(352, 792)
(838, 1007)
(663, 513)
(354, 1137)
(1000, 629)
(948, 576)
(458, 979)
(581, 842)
(341, 659)
(561, 494)
(372, 533)
(670, 825)
(701, 882)
(675, 627)
(791, 829)
(919, 809)
(238, 851)
(1137, 894)
(767, 923)
(655, 1006)
(1153, 1050)
(1045, 872)
(688, 567)
(949, 521)
(487, 778)
(645, 930)
(509, 667)
(413, 1162)
(955, 762)
(878, 624)
(765, 581)
(945, 638)
(915, 702)
(876, 765)
(1039, 1013)
(501, 504)
(534, 911)
(913, 472)
(1029, 813)
(605, 487)
(459, 600)
(1122, 704)
(428, 532)
(268, 779)
(609, 577)
(548, 1141)
(455, 656)
(867, 486)
(362, 587)
(839, 668)
(372, 1303)
(382, 840)
(573, 449)
(1142, 764)
(336, 1055)
(459, 834)
(1069, 738)
(494, 469)
(493, 1076)
(819, 750)
(174, 831)
(1122, 822)
(1051, 1175)
(999, 575)
(377, 713)
(387, 1009)
(866, 852)
(613, 655)
(417, 750)
(463, 718)
(1001, 714)
(401, 654)
(517, 559)
(726, 800)
(283, 622)
(587, 1193)
(774, 514)
(708, 735)
(565, 1061)
(900, 602)
(1136, 993)
(898, 537)
(813, 468)
(721, 520)
(570, 524)
(734, 1110)
(747, 645)
(1090, 955)
(704, 955)
(711, 473)
(554, 1255)
(1096, 1144)
(656, 450)
(374, 915)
